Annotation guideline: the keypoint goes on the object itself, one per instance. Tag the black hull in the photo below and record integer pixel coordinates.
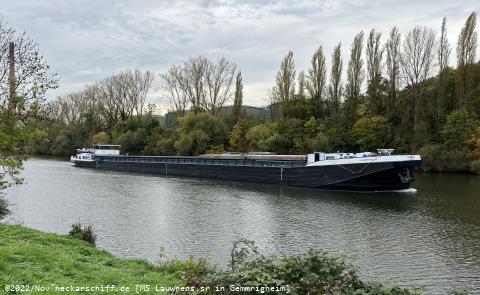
(84, 164)
(353, 177)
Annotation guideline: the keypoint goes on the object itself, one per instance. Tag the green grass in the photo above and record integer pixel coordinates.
(29, 257)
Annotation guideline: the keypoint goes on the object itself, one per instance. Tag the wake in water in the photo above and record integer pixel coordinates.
(405, 191)
(408, 190)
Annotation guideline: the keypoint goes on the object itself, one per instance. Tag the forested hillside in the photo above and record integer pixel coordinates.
(396, 91)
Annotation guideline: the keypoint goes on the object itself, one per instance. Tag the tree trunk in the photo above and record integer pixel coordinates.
(12, 103)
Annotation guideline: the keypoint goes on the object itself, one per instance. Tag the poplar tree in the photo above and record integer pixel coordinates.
(316, 81)
(301, 84)
(466, 49)
(335, 88)
(374, 73)
(443, 53)
(285, 81)
(355, 77)
(238, 100)
(392, 49)
(417, 62)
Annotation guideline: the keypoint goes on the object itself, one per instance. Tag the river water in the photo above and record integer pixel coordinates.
(429, 239)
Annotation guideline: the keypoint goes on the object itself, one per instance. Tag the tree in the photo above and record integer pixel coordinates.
(238, 100)
(130, 92)
(113, 99)
(417, 63)
(238, 138)
(372, 133)
(285, 82)
(335, 88)
(355, 76)
(466, 50)
(24, 79)
(24, 75)
(201, 84)
(199, 132)
(301, 84)
(443, 54)
(392, 49)
(101, 138)
(192, 81)
(218, 80)
(374, 72)
(316, 81)
(259, 137)
(459, 129)
(172, 88)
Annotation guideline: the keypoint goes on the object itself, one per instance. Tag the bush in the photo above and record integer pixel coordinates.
(475, 166)
(372, 133)
(430, 156)
(160, 144)
(258, 137)
(132, 141)
(238, 137)
(459, 128)
(3, 207)
(441, 159)
(199, 132)
(311, 273)
(84, 233)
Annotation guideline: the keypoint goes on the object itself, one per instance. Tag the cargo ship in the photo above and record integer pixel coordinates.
(365, 171)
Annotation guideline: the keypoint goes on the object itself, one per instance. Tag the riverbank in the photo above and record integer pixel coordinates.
(32, 261)
(30, 257)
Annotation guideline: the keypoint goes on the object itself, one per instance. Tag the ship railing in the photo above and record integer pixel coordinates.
(201, 161)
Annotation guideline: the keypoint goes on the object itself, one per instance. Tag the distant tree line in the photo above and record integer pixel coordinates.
(393, 91)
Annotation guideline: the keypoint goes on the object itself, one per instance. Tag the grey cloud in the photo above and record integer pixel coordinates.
(86, 41)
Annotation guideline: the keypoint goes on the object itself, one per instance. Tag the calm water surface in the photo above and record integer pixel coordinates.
(430, 238)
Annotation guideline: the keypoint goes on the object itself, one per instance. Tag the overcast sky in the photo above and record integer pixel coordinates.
(85, 41)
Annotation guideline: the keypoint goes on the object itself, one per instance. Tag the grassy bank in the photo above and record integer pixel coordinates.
(31, 257)
(32, 260)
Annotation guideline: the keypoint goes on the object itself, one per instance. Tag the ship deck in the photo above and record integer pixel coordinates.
(202, 161)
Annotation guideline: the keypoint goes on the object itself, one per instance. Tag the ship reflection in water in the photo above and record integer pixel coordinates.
(429, 238)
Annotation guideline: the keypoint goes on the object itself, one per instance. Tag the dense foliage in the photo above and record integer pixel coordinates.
(250, 272)
(24, 79)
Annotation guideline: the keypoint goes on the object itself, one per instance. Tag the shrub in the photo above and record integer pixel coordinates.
(199, 132)
(430, 156)
(3, 207)
(459, 128)
(372, 133)
(258, 137)
(132, 141)
(441, 159)
(310, 273)
(475, 166)
(84, 233)
(238, 138)
(317, 144)
(101, 138)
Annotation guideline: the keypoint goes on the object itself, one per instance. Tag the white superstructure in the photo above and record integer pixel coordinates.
(382, 155)
(88, 155)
